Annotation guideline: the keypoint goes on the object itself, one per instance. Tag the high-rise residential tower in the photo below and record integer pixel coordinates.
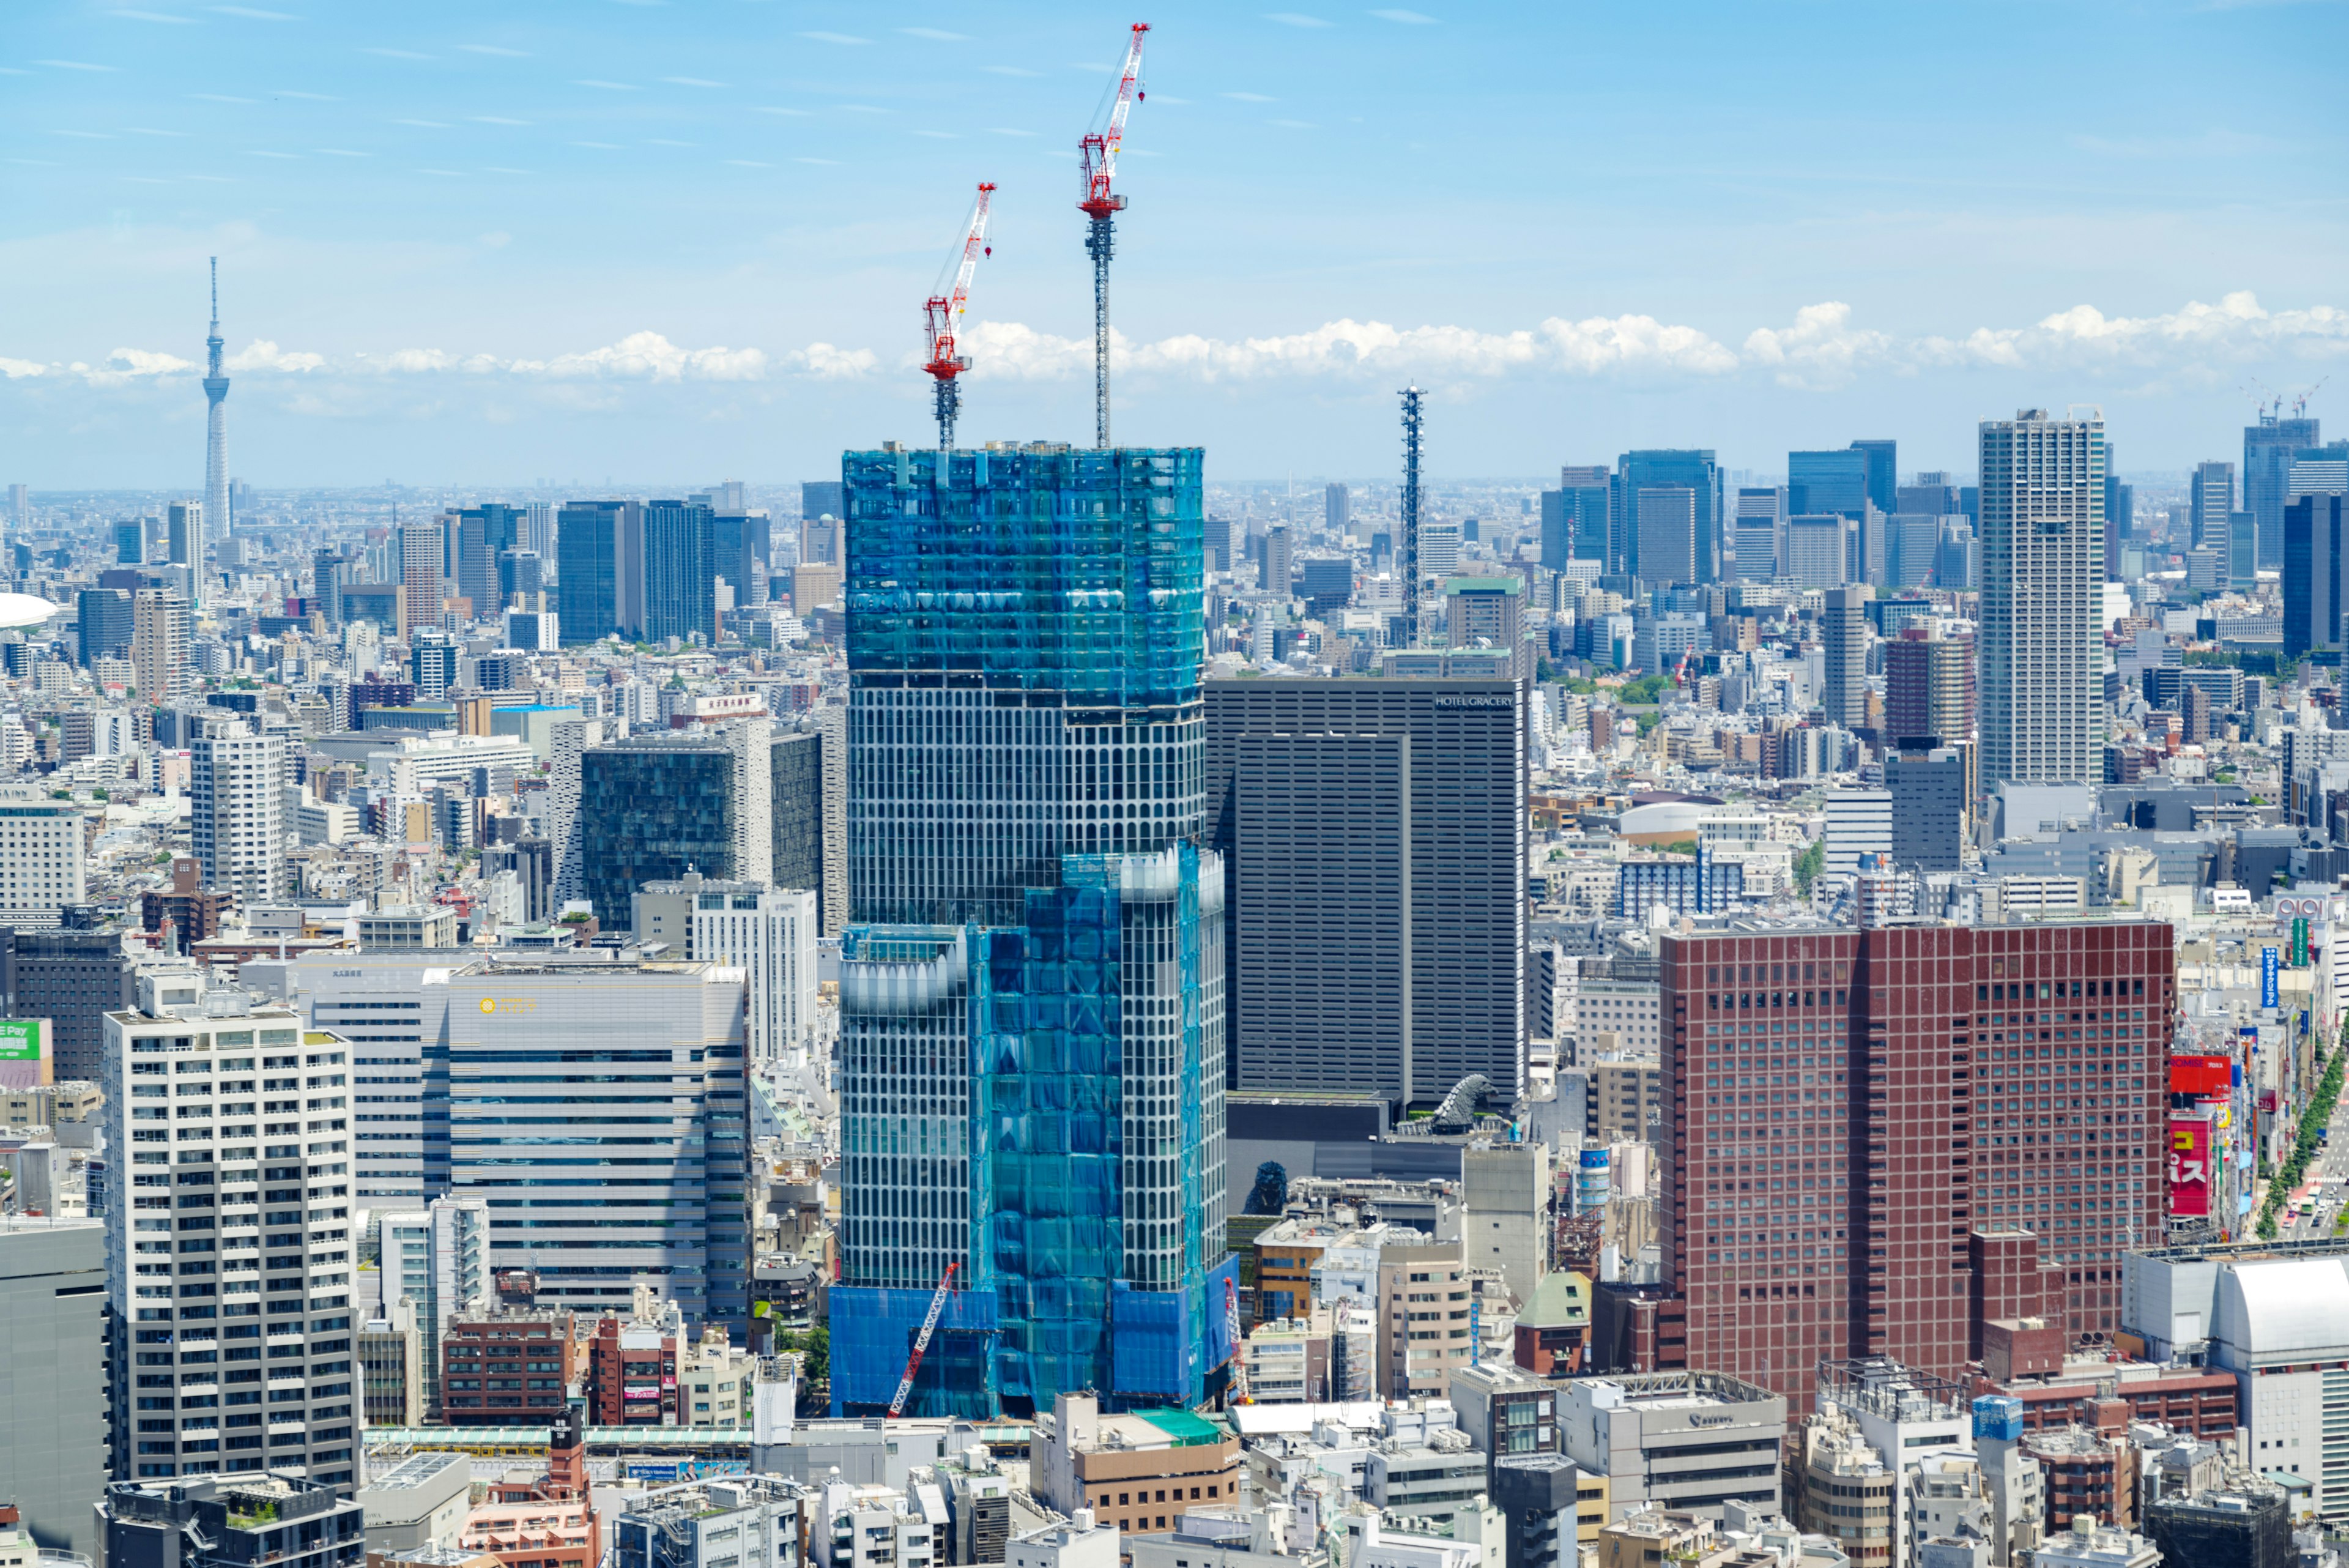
(2043, 572)
(159, 645)
(216, 434)
(1031, 1050)
(1337, 510)
(228, 1112)
(236, 812)
(1843, 637)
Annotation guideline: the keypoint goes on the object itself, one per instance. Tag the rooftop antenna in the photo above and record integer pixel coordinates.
(1407, 565)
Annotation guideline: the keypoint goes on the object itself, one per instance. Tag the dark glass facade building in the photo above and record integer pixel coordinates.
(681, 572)
(1689, 468)
(653, 807)
(594, 564)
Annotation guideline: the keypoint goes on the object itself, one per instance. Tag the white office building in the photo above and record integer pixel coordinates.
(2041, 642)
(41, 862)
(236, 812)
(767, 932)
(436, 1259)
(393, 1008)
(229, 1243)
(1858, 822)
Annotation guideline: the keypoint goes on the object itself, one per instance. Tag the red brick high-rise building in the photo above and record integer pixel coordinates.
(1876, 1140)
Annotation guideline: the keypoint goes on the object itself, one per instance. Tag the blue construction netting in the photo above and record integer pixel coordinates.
(873, 1332)
(1047, 567)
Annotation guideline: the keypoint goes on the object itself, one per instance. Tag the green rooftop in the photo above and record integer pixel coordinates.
(1184, 1428)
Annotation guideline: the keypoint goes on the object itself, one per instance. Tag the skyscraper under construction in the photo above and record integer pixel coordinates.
(1031, 1037)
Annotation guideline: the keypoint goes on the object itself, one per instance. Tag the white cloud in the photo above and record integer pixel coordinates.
(1295, 19)
(1821, 347)
(1593, 347)
(130, 364)
(823, 360)
(261, 354)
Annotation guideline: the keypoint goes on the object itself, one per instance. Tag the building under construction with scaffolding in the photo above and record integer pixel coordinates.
(1032, 1082)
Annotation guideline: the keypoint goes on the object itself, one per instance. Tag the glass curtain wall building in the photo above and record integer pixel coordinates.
(1032, 1010)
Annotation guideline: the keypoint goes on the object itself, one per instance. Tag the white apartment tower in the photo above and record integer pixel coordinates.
(41, 864)
(229, 1248)
(237, 813)
(2042, 571)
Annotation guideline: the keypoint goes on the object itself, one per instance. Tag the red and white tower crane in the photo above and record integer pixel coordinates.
(942, 318)
(929, 1322)
(1097, 153)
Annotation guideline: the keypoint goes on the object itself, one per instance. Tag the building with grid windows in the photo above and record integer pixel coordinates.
(230, 1250)
(1874, 1141)
(1371, 834)
(1032, 994)
(654, 806)
(2043, 572)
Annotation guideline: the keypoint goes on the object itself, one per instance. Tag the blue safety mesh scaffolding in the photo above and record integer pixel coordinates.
(873, 1332)
(1049, 1105)
(1038, 568)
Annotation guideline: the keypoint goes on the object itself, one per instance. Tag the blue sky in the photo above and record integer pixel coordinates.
(493, 242)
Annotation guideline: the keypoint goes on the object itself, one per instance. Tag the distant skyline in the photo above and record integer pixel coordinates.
(473, 247)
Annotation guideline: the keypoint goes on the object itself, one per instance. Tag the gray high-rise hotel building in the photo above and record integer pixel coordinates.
(1373, 839)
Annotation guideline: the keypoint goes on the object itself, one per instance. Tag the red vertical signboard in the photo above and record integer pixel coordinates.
(2189, 1167)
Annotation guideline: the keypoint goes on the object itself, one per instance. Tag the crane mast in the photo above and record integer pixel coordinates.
(1097, 155)
(922, 1342)
(942, 320)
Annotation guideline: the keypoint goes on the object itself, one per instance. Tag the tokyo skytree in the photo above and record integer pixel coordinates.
(215, 440)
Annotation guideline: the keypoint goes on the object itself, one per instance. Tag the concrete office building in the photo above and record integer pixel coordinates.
(393, 1008)
(2041, 645)
(767, 932)
(635, 1170)
(42, 867)
(1928, 807)
(1690, 1441)
(1373, 838)
(1007, 775)
(71, 977)
(1817, 552)
(53, 1408)
(1859, 823)
(236, 812)
(232, 1119)
(1924, 1110)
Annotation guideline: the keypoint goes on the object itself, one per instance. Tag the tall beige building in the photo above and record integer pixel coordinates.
(2043, 574)
(159, 645)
